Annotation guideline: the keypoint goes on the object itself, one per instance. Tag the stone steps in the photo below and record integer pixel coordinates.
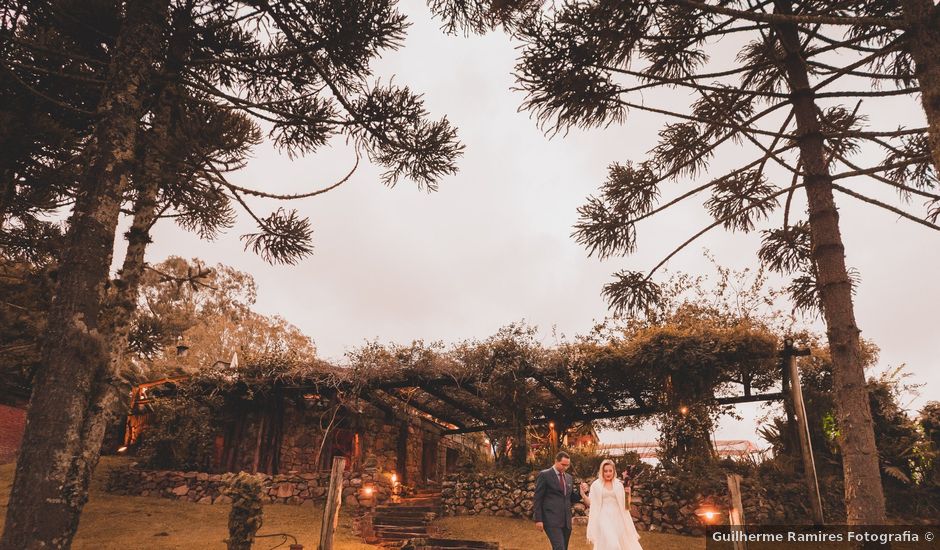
(405, 524)
(449, 544)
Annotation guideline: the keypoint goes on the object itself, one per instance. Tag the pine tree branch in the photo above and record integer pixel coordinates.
(850, 42)
(882, 179)
(43, 95)
(868, 134)
(850, 69)
(722, 123)
(60, 74)
(870, 93)
(296, 196)
(881, 168)
(885, 206)
(688, 82)
(891, 23)
(716, 224)
(790, 192)
(705, 186)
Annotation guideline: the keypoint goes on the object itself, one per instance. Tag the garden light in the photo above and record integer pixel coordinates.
(707, 513)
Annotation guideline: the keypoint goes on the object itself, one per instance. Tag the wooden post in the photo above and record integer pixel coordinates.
(806, 447)
(736, 515)
(334, 499)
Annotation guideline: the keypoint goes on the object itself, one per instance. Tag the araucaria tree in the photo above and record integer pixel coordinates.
(795, 97)
(163, 98)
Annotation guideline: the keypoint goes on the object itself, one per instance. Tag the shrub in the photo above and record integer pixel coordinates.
(246, 516)
(180, 433)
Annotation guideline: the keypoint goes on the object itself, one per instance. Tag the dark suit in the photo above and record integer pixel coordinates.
(552, 506)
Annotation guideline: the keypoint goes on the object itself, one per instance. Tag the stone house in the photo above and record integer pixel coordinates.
(301, 426)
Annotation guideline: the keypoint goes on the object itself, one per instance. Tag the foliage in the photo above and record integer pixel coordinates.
(180, 431)
(929, 424)
(246, 515)
(905, 452)
(183, 302)
(25, 288)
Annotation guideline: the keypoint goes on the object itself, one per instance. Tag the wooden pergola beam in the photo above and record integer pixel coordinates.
(547, 384)
(378, 402)
(466, 408)
(635, 411)
(424, 408)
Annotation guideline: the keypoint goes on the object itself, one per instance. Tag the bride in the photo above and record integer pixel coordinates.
(610, 525)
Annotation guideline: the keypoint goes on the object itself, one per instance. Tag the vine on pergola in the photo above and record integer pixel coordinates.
(675, 372)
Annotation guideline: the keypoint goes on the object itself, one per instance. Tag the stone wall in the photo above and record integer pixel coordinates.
(656, 504)
(376, 436)
(294, 488)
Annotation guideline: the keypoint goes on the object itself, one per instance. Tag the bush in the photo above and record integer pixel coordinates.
(180, 433)
(246, 516)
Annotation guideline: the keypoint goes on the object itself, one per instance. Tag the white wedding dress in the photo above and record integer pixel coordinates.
(610, 526)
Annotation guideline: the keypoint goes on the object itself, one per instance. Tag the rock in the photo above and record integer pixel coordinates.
(285, 490)
(181, 490)
(205, 500)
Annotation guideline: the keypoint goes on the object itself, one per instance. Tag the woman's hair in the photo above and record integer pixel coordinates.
(605, 462)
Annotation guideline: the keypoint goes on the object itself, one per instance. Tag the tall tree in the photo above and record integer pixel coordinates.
(585, 64)
(302, 67)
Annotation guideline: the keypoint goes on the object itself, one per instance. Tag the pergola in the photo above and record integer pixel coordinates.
(460, 407)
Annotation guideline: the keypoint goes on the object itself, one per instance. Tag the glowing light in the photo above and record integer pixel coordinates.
(122, 450)
(683, 409)
(367, 491)
(394, 478)
(551, 425)
(707, 513)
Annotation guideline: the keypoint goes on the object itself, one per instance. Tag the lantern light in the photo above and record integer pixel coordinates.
(707, 513)
(683, 409)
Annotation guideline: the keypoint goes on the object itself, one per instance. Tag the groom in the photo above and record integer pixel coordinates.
(554, 494)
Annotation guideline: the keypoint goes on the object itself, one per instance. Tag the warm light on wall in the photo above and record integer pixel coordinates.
(683, 409)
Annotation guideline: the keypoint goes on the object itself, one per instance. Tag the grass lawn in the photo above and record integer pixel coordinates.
(517, 534)
(112, 522)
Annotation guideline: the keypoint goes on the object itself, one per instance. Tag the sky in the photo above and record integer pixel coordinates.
(493, 246)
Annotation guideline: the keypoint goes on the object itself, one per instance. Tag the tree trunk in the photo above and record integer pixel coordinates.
(51, 482)
(923, 39)
(154, 169)
(864, 498)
